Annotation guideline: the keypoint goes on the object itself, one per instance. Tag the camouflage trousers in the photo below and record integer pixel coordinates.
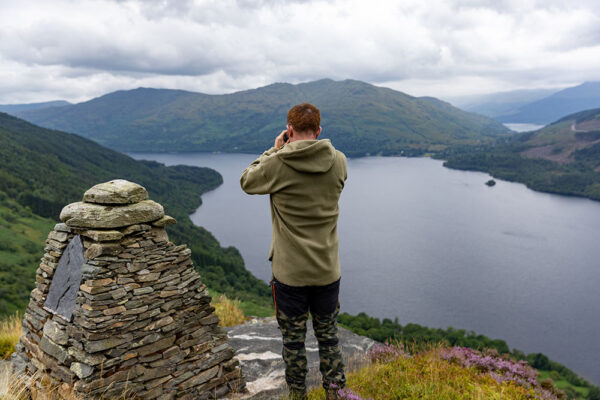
(293, 330)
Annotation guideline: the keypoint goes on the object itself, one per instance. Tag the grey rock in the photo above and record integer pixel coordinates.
(118, 191)
(164, 221)
(103, 236)
(199, 378)
(143, 290)
(100, 345)
(56, 351)
(58, 236)
(90, 359)
(66, 280)
(88, 215)
(135, 228)
(55, 332)
(156, 346)
(60, 227)
(81, 370)
(258, 348)
(102, 249)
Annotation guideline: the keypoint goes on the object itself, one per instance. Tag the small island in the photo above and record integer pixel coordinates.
(491, 183)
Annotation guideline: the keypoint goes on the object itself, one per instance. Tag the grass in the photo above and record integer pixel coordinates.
(425, 375)
(561, 383)
(229, 311)
(10, 332)
(13, 387)
(22, 236)
(246, 307)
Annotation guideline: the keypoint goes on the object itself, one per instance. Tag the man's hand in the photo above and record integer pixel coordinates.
(279, 142)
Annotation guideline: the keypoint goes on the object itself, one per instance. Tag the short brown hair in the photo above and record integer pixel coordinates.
(304, 117)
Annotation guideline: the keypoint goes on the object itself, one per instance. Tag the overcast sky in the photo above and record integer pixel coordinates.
(76, 50)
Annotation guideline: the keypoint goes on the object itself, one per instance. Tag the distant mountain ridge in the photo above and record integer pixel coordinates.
(560, 104)
(360, 118)
(14, 108)
(502, 103)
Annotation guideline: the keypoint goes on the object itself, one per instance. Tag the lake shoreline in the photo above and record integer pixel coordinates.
(442, 158)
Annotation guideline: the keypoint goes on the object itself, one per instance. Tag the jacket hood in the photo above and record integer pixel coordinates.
(312, 156)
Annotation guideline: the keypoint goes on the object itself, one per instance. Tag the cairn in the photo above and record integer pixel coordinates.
(119, 310)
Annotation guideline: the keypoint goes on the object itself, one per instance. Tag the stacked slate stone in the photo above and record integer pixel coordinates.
(119, 309)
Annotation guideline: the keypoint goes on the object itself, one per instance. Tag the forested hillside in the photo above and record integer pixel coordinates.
(42, 170)
(360, 119)
(562, 158)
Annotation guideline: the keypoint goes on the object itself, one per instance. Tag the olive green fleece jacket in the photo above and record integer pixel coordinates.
(304, 180)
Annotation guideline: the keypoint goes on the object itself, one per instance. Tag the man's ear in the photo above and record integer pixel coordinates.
(318, 132)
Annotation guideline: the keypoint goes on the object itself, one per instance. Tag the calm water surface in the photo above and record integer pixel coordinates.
(523, 127)
(437, 247)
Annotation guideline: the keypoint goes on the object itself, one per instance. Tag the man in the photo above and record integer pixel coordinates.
(304, 177)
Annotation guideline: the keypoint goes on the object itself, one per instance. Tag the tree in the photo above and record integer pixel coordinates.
(594, 393)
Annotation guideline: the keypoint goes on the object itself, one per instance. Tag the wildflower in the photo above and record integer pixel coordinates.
(500, 369)
(385, 352)
(347, 394)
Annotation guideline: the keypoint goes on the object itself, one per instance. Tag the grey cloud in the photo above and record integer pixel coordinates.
(239, 44)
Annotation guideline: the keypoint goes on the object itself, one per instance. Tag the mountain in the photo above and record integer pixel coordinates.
(563, 157)
(43, 170)
(14, 108)
(574, 138)
(568, 101)
(360, 118)
(501, 103)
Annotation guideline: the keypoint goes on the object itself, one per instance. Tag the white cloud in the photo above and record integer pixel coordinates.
(80, 49)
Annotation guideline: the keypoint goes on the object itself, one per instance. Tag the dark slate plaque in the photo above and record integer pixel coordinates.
(66, 280)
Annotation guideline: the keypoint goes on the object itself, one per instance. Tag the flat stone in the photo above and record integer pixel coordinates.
(66, 280)
(164, 221)
(98, 307)
(103, 249)
(148, 277)
(143, 290)
(60, 227)
(54, 332)
(135, 228)
(151, 338)
(119, 376)
(135, 311)
(103, 236)
(88, 215)
(133, 286)
(99, 282)
(118, 293)
(58, 236)
(56, 351)
(114, 310)
(118, 191)
(159, 323)
(101, 345)
(81, 370)
(156, 346)
(153, 373)
(159, 235)
(94, 289)
(199, 378)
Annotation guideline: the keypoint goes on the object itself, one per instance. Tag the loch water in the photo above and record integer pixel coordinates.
(438, 247)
